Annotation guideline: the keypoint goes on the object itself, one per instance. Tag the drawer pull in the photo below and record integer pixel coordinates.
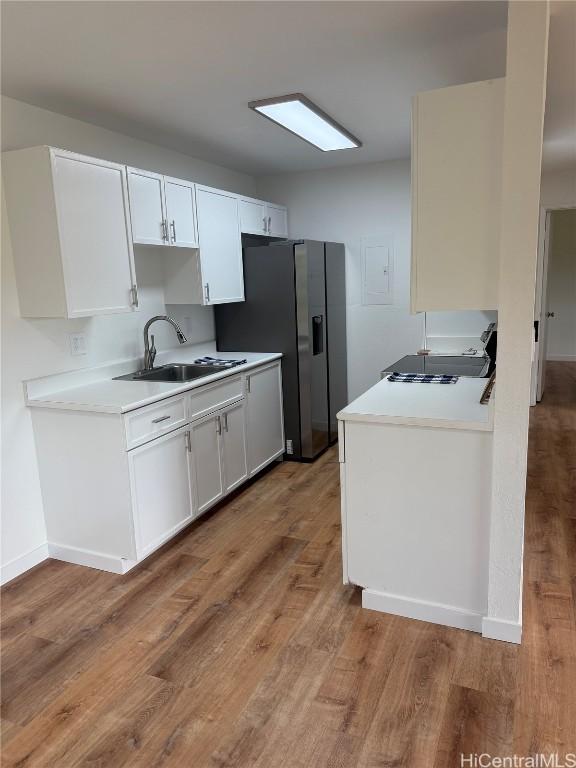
(160, 418)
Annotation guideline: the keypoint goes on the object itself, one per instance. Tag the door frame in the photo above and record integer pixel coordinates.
(540, 301)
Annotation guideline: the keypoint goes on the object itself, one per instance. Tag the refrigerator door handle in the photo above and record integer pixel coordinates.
(317, 334)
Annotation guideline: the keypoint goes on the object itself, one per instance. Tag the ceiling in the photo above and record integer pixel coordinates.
(181, 74)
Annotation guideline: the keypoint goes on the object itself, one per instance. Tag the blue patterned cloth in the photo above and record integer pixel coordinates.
(218, 361)
(422, 378)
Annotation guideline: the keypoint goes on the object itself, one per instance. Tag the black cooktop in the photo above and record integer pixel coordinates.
(440, 365)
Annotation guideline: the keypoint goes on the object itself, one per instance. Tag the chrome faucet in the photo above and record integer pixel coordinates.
(149, 348)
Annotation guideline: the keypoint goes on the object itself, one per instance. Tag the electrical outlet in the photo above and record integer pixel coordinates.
(77, 344)
(289, 447)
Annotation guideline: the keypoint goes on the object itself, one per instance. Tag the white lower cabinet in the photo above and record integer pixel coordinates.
(264, 420)
(233, 440)
(160, 480)
(218, 454)
(207, 462)
(144, 475)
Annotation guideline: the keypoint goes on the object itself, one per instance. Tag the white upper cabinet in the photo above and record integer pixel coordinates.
(74, 220)
(147, 207)
(277, 217)
(253, 218)
(163, 210)
(70, 232)
(260, 218)
(456, 170)
(181, 212)
(220, 246)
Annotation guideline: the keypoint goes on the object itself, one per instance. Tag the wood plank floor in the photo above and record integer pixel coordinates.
(237, 645)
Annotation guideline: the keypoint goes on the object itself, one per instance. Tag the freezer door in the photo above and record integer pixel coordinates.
(312, 347)
(336, 333)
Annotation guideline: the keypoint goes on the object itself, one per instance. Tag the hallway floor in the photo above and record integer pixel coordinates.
(237, 645)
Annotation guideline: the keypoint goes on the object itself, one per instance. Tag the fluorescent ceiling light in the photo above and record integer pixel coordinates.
(303, 118)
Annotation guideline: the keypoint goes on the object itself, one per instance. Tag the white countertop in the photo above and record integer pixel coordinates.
(93, 389)
(453, 406)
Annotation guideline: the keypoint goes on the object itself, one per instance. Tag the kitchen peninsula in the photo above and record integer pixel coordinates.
(415, 483)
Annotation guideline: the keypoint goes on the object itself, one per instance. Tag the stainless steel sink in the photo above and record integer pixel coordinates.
(173, 372)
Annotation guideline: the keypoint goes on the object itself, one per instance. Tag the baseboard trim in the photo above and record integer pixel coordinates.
(422, 610)
(561, 358)
(90, 559)
(500, 629)
(23, 563)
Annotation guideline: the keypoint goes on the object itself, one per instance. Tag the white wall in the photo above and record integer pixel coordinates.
(526, 59)
(33, 348)
(561, 329)
(558, 189)
(346, 205)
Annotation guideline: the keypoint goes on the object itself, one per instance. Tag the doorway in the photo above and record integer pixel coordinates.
(555, 305)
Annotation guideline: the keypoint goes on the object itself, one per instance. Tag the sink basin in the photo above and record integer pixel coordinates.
(173, 372)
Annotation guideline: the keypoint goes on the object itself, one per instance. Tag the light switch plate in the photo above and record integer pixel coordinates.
(77, 344)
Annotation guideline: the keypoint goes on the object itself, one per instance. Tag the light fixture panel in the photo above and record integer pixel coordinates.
(300, 116)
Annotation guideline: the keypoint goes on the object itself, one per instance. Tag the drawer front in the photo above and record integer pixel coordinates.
(212, 397)
(154, 420)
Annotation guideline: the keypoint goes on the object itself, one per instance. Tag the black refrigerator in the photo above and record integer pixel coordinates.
(296, 304)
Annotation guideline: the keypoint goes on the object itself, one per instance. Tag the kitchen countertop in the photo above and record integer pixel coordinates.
(93, 389)
(452, 406)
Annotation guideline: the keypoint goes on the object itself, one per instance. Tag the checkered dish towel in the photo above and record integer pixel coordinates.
(422, 378)
(218, 361)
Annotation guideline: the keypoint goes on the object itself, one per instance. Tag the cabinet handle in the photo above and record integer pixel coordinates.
(218, 425)
(207, 292)
(248, 384)
(173, 228)
(164, 228)
(225, 417)
(161, 418)
(134, 292)
(188, 442)
(269, 225)
(265, 223)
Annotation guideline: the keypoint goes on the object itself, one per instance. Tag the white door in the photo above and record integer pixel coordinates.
(94, 227)
(234, 445)
(220, 244)
(161, 489)
(147, 210)
(181, 212)
(541, 313)
(264, 417)
(253, 217)
(277, 221)
(208, 482)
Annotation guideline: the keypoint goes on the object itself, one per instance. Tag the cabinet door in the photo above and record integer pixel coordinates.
(253, 217)
(93, 222)
(181, 212)
(264, 417)
(277, 220)
(161, 489)
(220, 246)
(147, 210)
(234, 445)
(456, 175)
(208, 482)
